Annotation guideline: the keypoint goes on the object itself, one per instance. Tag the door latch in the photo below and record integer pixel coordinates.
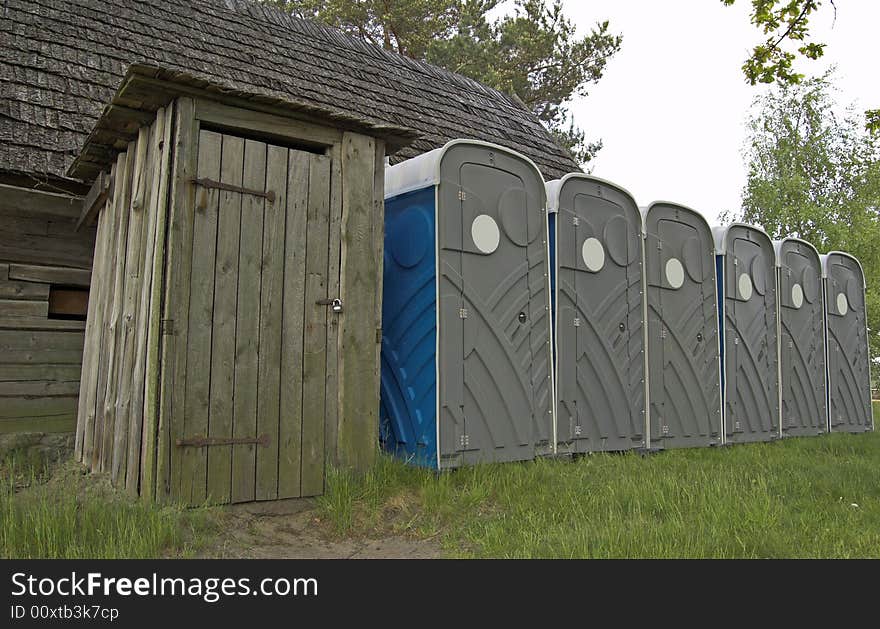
(335, 304)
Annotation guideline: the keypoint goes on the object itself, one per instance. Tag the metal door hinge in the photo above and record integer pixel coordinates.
(201, 442)
(462, 195)
(663, 333)
(577, 322)
(577, 431)
(465, 441)
(463, 313)
(575, 220)
(166, 326)
(269, 195)
(665, 430)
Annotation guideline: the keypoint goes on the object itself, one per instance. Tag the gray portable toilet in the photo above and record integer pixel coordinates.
(466, 328)
(746, 272)
(848, 360)
(803, 409)
(684, 382)
(599, 311)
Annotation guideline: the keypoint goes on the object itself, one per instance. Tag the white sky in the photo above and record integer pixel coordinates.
(672, 106)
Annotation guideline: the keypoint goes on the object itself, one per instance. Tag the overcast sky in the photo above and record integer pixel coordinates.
(672, 106)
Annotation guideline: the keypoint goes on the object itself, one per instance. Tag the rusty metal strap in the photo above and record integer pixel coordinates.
(269, 195)
(201, 442)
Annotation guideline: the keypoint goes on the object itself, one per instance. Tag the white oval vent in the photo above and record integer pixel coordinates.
(674, 273)
(744, 285)
(797, 296)
(484, 231)
(593, 254)
(842, 304)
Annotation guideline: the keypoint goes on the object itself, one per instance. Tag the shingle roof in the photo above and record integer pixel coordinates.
(61, 61)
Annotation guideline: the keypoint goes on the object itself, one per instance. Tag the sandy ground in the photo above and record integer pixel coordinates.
(289, 529)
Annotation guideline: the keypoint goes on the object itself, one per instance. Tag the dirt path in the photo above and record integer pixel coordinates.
(289, 529)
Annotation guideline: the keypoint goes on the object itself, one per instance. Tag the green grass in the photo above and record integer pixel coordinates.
(808, 497)
(58, 514)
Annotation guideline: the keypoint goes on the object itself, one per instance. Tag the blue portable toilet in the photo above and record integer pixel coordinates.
(466, 372)
(597, 262)
(848, 361)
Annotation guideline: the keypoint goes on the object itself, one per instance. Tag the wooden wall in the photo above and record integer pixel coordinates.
(123, 317)
(40, 355)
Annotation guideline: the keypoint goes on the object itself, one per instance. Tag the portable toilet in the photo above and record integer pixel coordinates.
(466, 341)
(684, 382)
(748, 323)
(804, 409)
(848, 361)
(599, 309)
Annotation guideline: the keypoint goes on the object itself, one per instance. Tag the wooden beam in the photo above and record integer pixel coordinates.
(26, 201)
(64, 422)
(50, 274)
(360, 275)
(10, 289)
(272, 126)
(37, 323)
(23, 308)
(94, 200)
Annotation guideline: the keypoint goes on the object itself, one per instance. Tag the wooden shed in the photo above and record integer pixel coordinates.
(233, 333)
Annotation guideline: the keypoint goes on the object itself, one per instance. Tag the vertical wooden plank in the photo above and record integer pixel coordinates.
(315, 333)
(4, 272)
(103, 267)
(176, 310)
(358, 410)
(194, 461)
(247, 323)
(135, 398)
(121, 183)
(109, 215)
(90, 345)
(290, 430)
(135, 159)
(151, 400)
(225, 304)
(141, 188)
(271, 295)
(377, 248)
(331, 396)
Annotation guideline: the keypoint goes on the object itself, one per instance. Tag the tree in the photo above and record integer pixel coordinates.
(814, 172)
(786, 23)
(532, 53)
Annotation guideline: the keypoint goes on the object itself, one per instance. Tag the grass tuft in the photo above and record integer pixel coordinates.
(56, 514)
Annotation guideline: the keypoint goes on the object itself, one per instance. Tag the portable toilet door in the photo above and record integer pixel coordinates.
(599, 315)
(804, 409)
(466, 350)
(849, 373)
(746, 274)
(684, 386)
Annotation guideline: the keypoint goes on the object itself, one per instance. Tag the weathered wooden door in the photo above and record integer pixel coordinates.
(247, 415)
